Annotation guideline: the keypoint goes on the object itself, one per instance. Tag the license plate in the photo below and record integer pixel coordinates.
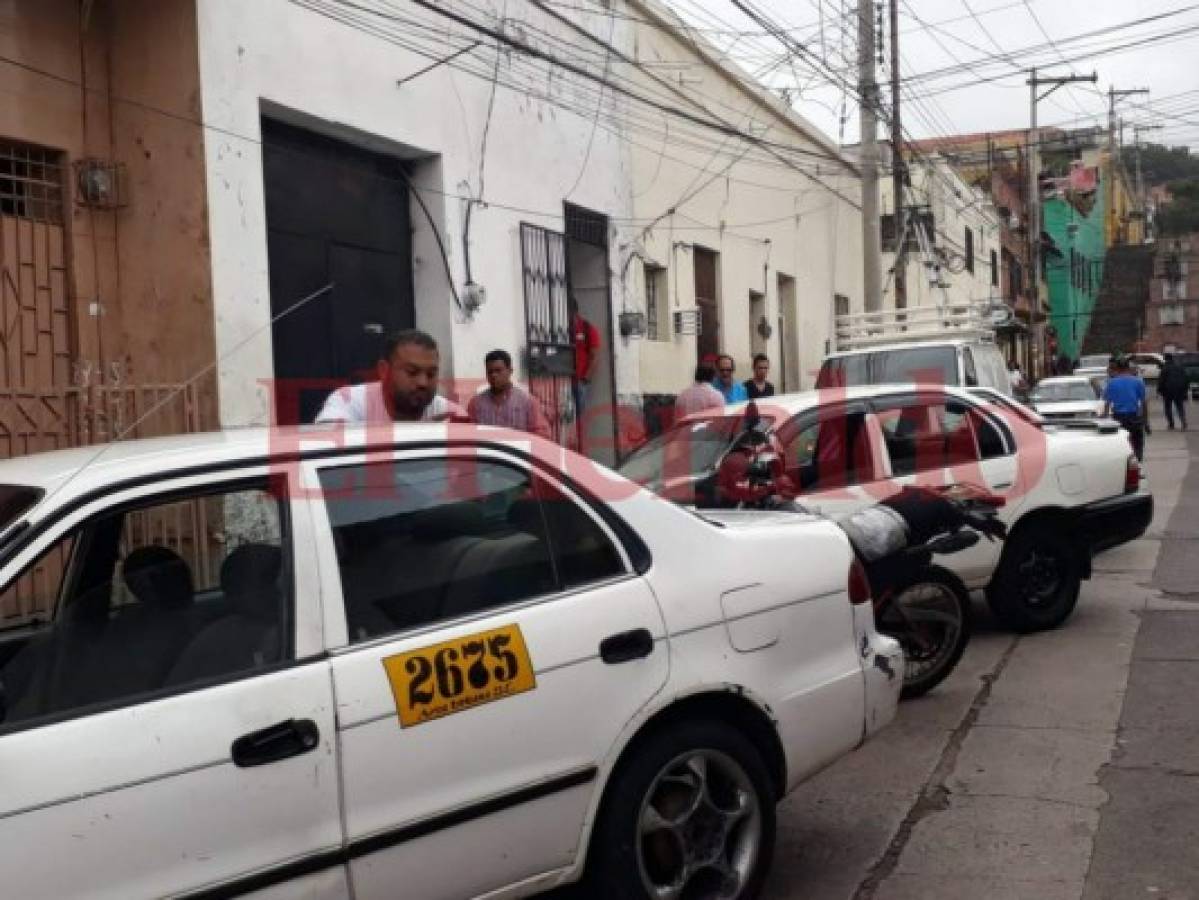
(454, 676)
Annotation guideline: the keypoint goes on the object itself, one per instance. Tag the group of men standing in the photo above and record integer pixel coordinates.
(405, 390)
(405, 387)
(715, 385)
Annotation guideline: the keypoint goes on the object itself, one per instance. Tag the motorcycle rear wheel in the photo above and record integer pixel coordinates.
(929, 614)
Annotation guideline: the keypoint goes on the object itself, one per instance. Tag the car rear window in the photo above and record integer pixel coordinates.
(919, 365)
(1065, 391)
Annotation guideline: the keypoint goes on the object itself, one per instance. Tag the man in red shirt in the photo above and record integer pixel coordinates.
(586, 339)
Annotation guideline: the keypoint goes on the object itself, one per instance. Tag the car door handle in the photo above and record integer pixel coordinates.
(626, 646)
(276, 742)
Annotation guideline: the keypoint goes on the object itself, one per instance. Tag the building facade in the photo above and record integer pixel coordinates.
(209, 214)
(106, 281)
(467, 197)
(1172, 312)
(741, 246)
(954, 240)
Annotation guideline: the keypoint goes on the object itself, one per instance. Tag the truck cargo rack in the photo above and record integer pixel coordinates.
(965, 321)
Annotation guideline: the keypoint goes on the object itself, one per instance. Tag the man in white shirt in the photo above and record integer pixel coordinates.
(405, 391)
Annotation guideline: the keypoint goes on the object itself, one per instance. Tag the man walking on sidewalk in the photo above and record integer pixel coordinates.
(1125, 402)
(1172, 388)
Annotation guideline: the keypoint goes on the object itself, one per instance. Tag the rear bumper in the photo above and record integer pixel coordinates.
(1109, 523)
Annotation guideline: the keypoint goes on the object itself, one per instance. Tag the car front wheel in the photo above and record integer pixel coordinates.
(690, 813)
(1037, 583)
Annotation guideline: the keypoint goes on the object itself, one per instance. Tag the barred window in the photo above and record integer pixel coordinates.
(657, 313)
(30, 182)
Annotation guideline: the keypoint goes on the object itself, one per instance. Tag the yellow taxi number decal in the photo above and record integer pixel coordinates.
(460, 674)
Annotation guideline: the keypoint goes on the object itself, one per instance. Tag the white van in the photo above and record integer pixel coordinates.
(954, 362)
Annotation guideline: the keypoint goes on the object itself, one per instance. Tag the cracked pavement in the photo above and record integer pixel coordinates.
(1058, 765)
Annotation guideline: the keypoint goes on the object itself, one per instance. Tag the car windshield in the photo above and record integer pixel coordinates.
(921, 365)
(687, 451)
(1061, 391)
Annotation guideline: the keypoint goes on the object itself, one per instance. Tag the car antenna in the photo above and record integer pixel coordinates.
(298, 304)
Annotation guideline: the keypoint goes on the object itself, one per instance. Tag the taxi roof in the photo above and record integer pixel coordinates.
(91, 466)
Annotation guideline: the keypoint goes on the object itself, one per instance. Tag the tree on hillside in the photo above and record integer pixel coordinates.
(1161, 164)
(1181, 214)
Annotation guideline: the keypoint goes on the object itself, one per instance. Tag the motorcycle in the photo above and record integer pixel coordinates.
(924, 606)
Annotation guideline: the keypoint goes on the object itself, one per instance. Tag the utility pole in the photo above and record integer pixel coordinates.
(1113, 96)
(868, 90)
(1141, 198)
(1114, 143)
(898, 168)
(1034, 194)
(1034, 191)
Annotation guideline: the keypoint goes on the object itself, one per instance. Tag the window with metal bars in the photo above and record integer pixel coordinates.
(30, 182)
(657, 327)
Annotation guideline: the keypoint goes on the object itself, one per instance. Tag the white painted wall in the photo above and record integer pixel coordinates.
(763, 217)
(956, 206)
(315, 70)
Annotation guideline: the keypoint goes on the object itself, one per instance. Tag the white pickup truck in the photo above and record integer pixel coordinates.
(1071, 490)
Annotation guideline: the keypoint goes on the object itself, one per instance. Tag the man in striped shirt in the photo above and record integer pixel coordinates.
(503, 404)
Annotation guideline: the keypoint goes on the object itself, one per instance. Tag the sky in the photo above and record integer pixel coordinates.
(985, 89)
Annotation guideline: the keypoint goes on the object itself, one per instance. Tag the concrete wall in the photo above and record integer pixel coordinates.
(123, 86)
(541, 150)
(763, 216)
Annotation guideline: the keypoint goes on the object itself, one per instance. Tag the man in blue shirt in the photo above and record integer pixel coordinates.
(732, 389)
(1124, 399)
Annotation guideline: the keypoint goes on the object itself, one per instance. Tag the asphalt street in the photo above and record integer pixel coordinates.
(1055, 766)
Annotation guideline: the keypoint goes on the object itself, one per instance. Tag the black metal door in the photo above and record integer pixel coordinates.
(549, 348)
(335, 213)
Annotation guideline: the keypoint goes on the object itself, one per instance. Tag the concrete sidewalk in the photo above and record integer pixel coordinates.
(1148, 839)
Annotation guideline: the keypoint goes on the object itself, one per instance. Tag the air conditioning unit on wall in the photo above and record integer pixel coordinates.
(688, 321)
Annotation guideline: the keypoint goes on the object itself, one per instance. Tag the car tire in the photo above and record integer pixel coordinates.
(946, 590)
(691, 803)
(1037, 583)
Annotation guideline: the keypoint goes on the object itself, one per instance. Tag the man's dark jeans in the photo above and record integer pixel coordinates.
(1135, 426)
(1175, 403)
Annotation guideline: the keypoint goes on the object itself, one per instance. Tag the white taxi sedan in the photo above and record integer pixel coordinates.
(444, 663)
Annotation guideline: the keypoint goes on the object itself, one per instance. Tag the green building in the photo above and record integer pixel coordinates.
(1074, 268)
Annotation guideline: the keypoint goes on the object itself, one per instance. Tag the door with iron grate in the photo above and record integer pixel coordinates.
(35, 328)
(549, 352)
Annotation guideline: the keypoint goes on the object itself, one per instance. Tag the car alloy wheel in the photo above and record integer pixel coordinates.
(699, 828)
